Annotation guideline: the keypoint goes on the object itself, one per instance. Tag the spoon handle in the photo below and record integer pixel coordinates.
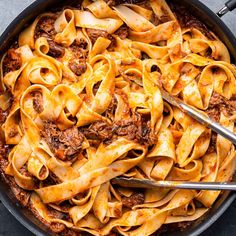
(219, 129)
(145, 183)
(201, 118)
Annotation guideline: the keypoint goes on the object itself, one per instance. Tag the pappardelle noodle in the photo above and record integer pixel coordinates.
(80, 91)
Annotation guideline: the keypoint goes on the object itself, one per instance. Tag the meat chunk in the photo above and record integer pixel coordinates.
(99, 130)
(187, 20)
(94, 34)
(37, 101)
(45, 28)
(45, 25)
(126, 128)
(123, 31)
(81, 43)
(137, 128)
(78, 66)
(55, 50)
(133, 200)
(77, 63)
(12, 61)
(220, 104)
(65, 144)
(79, 49)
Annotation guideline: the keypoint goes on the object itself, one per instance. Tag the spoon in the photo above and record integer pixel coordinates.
(145, 183)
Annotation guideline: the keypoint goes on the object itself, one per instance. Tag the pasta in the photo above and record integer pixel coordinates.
(81, 105)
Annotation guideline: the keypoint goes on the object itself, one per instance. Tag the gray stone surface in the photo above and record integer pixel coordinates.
(225, 226)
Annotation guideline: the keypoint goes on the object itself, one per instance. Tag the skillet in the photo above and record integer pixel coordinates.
(212, 21)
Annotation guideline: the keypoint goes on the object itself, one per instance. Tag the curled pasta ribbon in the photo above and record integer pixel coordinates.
(42, 49)
(101, 10)
(86, 19)
(135, 21)
(164, 150)
(161, 9)
(27, 103)
(148, 220)
(17, 162)
(37, 168)
(155, 102)
(64, 98)
(181, 73)
(154, 52)
(65, 27)
(12, 128)
(26, 37)
(224, 173)
(91, 178)
(10, 80)
(191, 140)
(16, 81)
(140, 10)
(42, 71)
(156, 34)
(44, 212)
(103, 96)
(199, 43)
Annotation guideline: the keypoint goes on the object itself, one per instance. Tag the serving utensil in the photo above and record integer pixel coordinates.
(200, 117)
(145, 183)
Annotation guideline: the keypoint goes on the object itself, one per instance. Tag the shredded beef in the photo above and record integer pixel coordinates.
(187, 20)
(65, 144)
(99, 130)
(126, 128)
(55, 50)
(79, 49)
(77, 66)
(220, 104)
(45, 28)
(37, 101)
(136, 128)
(21, 195)
(94, 34)
(123, 31)
(12, 61)
(45, 25)
(81, 43)
(77, 63)
(133, 200)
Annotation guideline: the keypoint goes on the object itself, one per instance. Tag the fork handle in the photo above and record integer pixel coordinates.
(208, 122)
(145, 183)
